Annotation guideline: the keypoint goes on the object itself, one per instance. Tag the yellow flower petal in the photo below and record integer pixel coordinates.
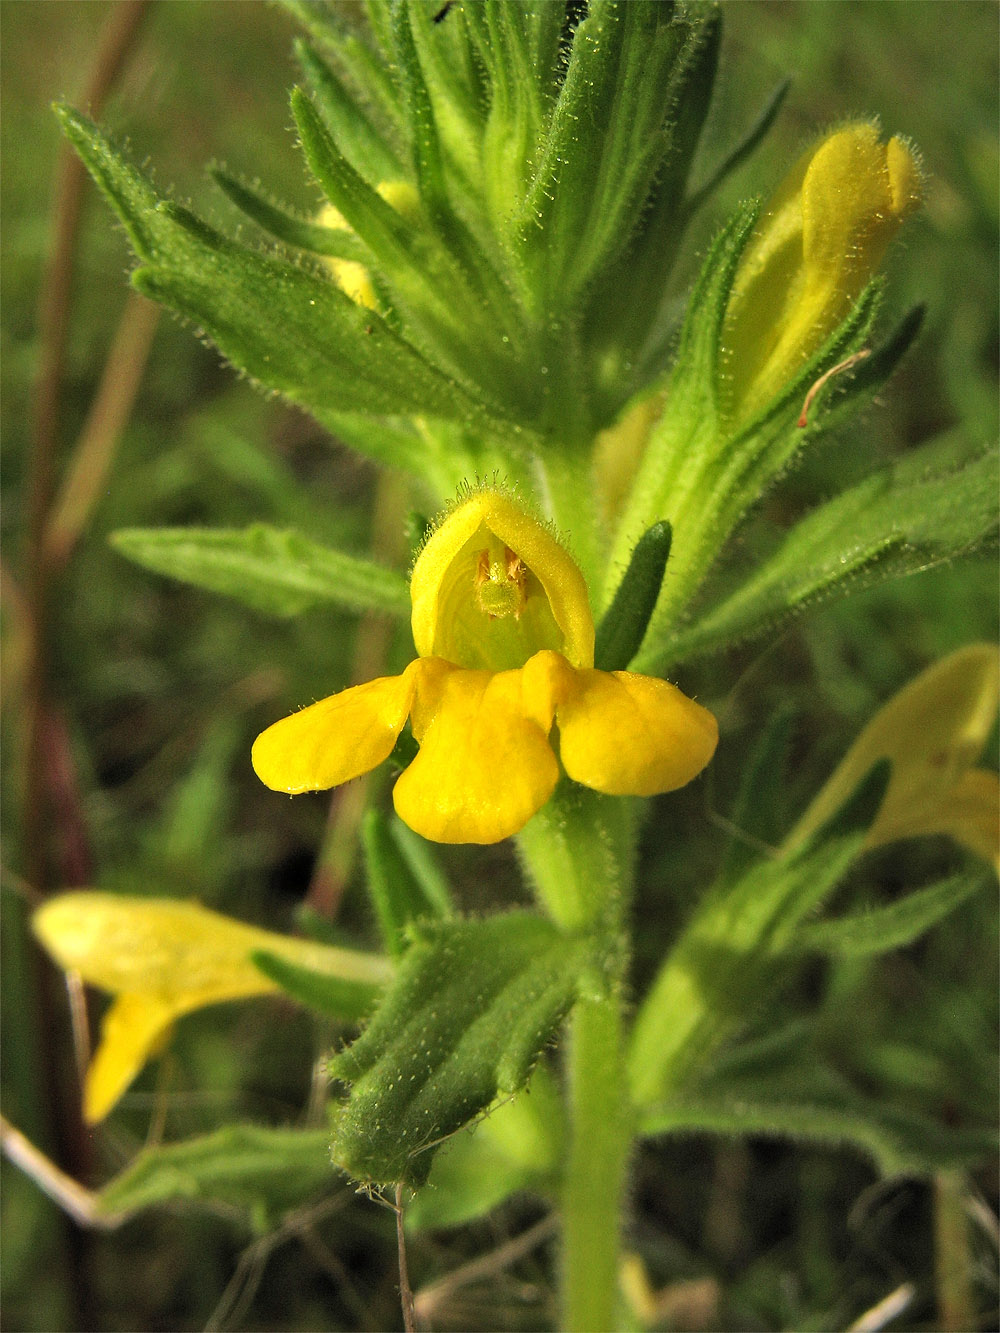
(933, 731)
(968, 811)
(485, 765)
(152, 946)
(552, 609)
(165, 957)
(336, 739)
(632, 735)
(131, 1032)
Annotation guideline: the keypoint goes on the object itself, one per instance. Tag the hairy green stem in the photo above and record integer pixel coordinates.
(594, 1182)
(578, 852)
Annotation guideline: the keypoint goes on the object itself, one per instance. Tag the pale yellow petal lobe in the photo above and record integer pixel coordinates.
(932, 731)
(132, 1031)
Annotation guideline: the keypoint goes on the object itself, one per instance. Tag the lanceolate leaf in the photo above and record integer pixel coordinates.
(730, 956)
(337, 997)
(623, 625)
(473, 1004)
(396, 891)
(516, 1146)
(279, 573)
(334, 241)
(355, 136)
(608, 133)
(880, 929)
(897, 1140)
(907, 517)
(290, 328)
(253, 1168)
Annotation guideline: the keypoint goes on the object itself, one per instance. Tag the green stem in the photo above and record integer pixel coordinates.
(578, 851)
(567, 484)
(594, 1183)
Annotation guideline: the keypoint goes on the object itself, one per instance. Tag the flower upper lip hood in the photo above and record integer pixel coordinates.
(818, 245)
(505, 636)
(553, 608)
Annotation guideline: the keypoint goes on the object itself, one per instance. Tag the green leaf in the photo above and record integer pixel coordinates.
(899, 1141)
(355, 135)
(746, 146)
(910, 516)
(759, 817)
(419, 857)
(516, 1146)
(430, 289)
(609, 131)
(473, 1005)
(278, 573)
(337, 242)
(290, 328)
(398, 894)
(623, 625)
(254, 1168)
(880, 929)
(734, 952)
(337, 997)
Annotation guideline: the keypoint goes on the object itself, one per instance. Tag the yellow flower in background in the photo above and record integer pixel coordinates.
(352, 276)
(162, 958)
(816, 248)
(505, 641)
(933, 731)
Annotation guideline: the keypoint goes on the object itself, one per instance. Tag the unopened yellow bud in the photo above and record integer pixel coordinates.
(353, 277)
(817, 247)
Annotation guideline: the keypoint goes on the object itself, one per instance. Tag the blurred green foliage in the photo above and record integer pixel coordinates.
(163, 687)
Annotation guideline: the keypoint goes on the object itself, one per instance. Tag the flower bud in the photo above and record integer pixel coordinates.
(818, 245)
(353, 277)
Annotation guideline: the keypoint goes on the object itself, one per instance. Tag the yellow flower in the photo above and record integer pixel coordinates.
(818, 245)
(163, 958)
(933, 731)
(505, 637)
(352, 276)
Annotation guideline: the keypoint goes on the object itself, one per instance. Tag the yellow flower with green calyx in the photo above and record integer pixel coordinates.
(933, 731)
(818, 245)
(503, 628)
(162, 958)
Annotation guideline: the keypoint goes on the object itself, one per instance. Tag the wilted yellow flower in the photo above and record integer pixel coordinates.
(505, 637)
(163, 958)
(818, 245)
(933, 731)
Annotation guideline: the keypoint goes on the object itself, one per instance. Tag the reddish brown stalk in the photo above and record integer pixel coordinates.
(53, 324)
(94, 451)
(846, 364)
(44, 737)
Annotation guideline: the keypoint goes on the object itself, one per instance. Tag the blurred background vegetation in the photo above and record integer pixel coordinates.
(153, 692)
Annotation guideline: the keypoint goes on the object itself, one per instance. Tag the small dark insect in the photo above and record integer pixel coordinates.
(442, 12)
